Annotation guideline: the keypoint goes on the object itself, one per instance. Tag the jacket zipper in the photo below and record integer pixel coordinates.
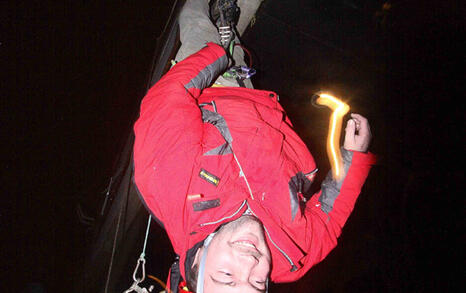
(293, 266)
(224, 218)
(245, 202)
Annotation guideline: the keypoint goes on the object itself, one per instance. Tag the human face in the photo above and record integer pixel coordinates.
(238, 258)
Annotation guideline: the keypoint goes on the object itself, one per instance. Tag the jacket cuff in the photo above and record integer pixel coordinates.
(216, 49)
(209, 63)
(363, 158)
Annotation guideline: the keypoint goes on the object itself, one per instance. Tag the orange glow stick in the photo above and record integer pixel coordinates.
(333, 140)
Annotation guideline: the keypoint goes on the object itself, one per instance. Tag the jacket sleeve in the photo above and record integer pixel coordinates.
(168, 131)
(327, 211)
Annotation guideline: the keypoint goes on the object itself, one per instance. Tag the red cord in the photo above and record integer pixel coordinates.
(247, 51)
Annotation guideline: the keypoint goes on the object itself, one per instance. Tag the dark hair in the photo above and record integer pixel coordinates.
(191, 278)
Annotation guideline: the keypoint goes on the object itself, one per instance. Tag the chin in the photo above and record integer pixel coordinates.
(251, 218)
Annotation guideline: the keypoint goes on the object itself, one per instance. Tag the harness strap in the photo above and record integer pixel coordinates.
(200, 275)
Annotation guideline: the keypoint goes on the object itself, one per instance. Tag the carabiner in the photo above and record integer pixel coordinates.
(142, 262)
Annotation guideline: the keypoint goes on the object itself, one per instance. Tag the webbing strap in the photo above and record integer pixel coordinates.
(200, 275)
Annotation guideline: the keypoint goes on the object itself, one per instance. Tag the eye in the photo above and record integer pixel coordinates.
(224, 275)
(260, 284)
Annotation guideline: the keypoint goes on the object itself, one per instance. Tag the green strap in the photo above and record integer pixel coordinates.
(232, 45)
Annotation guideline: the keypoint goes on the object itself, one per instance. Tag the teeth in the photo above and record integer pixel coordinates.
(245, 243)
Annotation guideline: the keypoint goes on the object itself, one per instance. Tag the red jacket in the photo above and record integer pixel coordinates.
(200, 164)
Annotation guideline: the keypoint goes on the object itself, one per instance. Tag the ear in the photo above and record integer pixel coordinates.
(197, 256)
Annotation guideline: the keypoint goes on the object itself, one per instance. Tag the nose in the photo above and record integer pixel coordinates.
(252, 269)
(249, 259)
(247, 263)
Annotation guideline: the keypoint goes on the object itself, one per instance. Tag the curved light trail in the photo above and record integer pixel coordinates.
(333, 140)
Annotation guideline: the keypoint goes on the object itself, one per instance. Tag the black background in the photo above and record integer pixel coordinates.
(73, 75)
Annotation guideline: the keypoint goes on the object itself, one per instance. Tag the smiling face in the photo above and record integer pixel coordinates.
(238, 258)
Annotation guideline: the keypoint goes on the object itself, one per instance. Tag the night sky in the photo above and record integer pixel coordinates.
(73, 75)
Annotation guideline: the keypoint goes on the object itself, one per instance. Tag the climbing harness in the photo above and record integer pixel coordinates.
(141, 262)
(242, 72)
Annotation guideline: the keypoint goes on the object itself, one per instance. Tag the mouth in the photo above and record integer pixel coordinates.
(248, 244)
(245, 243)
(246, 247)
(247, 239)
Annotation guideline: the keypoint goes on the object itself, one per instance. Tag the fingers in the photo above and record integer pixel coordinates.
(350, 127)
(358, 116)
(362, 125)
(361, 122)
(358, 134)
(350, 133)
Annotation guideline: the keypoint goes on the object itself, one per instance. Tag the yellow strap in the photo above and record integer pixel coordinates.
(217, 85)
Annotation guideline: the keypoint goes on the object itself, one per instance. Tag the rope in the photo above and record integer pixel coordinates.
(143, 254)
(161, 283)
(113, 249)
(247, 52)
(142, 263)
(120, 214)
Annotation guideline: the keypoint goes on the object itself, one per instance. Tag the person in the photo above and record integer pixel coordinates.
(224, 173)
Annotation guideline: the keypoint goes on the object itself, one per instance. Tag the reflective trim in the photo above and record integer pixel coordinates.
(208, 74)
(294, 203)
(293, 266)
(219, 122)
(330, 187)
(312, 172)
(224, 149)
(205, 205)
(224, 218)
(299, 183)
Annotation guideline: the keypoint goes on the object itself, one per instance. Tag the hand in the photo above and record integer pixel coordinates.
(358, 134)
